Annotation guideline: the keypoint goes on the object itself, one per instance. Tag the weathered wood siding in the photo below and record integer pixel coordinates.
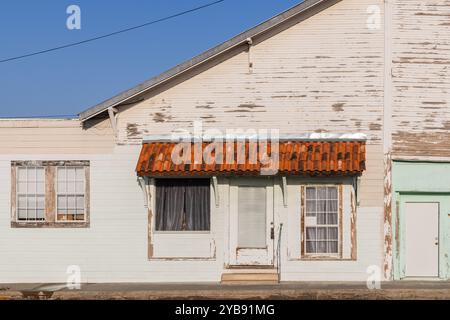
(421, 78)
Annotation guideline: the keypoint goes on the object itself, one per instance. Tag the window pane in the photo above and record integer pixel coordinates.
(71, 204)
(80, 187)
(62, 204)
(31, 187)
(252, 217)
(31, 214)
(22, 174)
(321, 206)
(22, 202)
(310, 208)
(40, 188)
(332, 218)
(70, 174)
(71, 187)
(40, 174)
(322, 193)
(321, 218)
(332, 193)
(31, 202)
(31, 174)
(311, 193)
(22, 187)
(40, 214)
(61, 174)
(80, 202)
(332, 247)
(310, 233)
(332, 205)
(310, 247)
(80, 174)
(333, 233)
(22, 214)
(62, 187)
(40, 202)
(322, 233)
(321, 247)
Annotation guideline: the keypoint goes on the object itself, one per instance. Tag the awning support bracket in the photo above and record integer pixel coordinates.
(216, 190)
(284, 189)
(112, 117)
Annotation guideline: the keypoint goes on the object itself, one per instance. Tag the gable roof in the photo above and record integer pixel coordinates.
(304, 8)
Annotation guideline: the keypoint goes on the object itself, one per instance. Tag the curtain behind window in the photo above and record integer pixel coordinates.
(182, 205)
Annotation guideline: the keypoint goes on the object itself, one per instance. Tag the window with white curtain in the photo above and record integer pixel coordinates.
(321, 220)
(70, 194)
(30, 193)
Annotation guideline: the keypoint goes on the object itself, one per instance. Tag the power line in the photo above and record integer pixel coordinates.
(113, 33)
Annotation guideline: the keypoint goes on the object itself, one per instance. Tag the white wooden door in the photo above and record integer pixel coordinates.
(422, 239)
(251, 222)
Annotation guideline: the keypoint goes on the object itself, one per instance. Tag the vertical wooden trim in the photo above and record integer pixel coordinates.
(397, 230)
(150, 192)
(50, 194)
(353, 226)
(387, 267)
(13, 194)
(302, 222)
(341, 238)
(87, 195)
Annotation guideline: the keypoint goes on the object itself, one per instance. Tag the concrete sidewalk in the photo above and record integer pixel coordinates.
(299, 290)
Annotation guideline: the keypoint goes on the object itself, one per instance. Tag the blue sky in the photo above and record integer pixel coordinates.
(68, 81)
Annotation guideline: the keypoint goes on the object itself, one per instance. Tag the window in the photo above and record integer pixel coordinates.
(50, 194)
(30, 194)
(70, 194)
(321, 221)
(182, 205)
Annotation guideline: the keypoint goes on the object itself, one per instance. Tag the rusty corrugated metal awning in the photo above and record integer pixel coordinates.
(295, 158)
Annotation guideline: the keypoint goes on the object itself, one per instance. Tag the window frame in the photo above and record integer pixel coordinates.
(322, 256)
(50, 196)
(181, 232)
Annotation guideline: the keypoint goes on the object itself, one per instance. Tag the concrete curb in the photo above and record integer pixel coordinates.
(243, 294)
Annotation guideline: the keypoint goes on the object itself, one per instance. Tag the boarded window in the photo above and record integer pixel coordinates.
(321, 221)
(182, 204)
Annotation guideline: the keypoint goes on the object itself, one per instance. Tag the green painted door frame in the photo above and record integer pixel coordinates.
(420, 182)
(444, 208)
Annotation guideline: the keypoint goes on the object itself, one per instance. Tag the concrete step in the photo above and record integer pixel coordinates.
(250, 278)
